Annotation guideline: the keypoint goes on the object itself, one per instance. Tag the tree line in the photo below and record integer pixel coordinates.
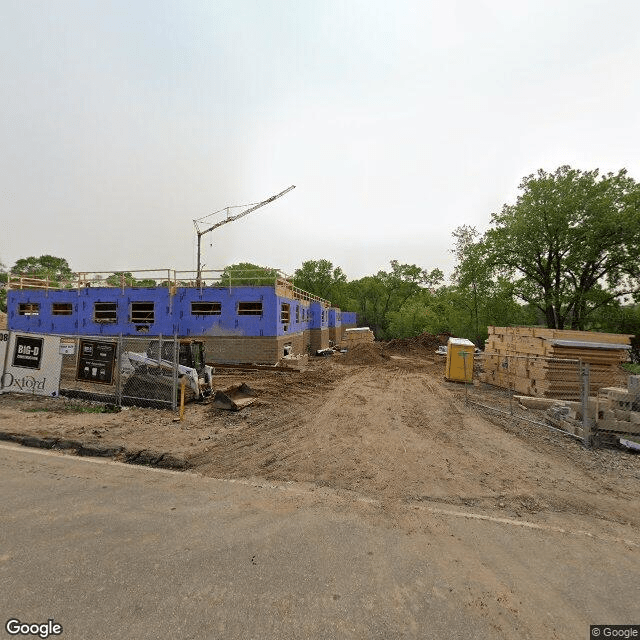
(565, 254)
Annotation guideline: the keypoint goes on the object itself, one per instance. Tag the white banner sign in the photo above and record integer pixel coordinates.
(32, 364)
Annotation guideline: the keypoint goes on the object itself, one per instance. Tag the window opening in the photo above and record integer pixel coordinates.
(142, 312)
(105, 312)
(61, 309)
(29, 309)
(249, 308)
(206, 308)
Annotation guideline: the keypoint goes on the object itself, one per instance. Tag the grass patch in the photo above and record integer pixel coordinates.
(77, 408)
(633, 369)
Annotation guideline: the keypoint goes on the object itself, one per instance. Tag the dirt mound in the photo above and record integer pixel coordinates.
(366, 353)
(3, 320)
(423, 342)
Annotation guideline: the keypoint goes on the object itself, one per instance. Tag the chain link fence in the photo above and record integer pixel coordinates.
(125, 370)
(592, 402)
(502, 382)
(120, 370)
(588, 401)
(616, 412)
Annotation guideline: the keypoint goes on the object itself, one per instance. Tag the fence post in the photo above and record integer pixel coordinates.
(119, 373)
(464, 354)
(174, 386)
(512, 384)
(584, 389)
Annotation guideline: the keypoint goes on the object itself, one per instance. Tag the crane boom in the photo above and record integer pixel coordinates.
(229, 218)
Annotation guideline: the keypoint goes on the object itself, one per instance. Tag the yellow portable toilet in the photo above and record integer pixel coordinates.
(459, 360)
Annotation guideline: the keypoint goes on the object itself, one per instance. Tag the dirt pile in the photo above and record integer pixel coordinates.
(423, 342)
(366, 353)
(3, 320)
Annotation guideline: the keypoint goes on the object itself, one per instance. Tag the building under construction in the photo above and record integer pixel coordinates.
(251, 317)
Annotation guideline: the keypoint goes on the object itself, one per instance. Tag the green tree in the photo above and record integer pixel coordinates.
(57, 270)
(245, 273)
(620, 318)
(481, 297)
(116, 280)
(571, 242)
(322, 279)
(378, 297)
(472, 275)
(413, 318)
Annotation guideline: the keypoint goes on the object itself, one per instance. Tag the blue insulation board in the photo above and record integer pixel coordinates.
(235, 311)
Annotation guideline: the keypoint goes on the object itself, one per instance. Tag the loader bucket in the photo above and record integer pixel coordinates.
(234, 398)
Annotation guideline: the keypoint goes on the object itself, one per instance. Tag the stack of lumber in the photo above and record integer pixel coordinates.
(546, 362)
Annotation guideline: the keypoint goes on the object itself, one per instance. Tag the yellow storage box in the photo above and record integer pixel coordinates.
(459, 360)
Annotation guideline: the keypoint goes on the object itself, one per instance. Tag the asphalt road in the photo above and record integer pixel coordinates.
(115, 551)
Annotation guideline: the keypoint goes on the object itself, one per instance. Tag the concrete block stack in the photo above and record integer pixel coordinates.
(359, 335)
(619, 408)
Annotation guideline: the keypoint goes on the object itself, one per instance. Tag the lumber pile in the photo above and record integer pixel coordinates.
(546, 362)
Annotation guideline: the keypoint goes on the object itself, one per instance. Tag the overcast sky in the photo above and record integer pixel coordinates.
(120, 122)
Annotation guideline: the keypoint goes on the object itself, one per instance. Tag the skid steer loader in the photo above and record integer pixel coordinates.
(149, 376)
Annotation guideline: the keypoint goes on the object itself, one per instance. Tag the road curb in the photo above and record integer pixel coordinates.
(143, 457)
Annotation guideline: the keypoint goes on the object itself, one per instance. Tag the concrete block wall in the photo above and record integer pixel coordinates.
(244, 349)
(319, 339)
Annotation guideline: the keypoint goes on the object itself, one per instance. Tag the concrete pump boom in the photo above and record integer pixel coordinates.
(228, 219)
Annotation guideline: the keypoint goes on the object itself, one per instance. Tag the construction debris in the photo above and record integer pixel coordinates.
(630, 444)
(544, 362)
(234, 398)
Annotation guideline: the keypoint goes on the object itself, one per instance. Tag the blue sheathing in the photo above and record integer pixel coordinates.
(298, 312)
(172, 314)
(349, 317)
(45, 321)
(319, 316)
(228, 323)
(82, 320)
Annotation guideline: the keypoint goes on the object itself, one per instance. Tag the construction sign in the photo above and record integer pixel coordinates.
(95, 361)
(31, 363)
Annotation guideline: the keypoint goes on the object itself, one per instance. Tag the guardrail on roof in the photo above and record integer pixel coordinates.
(168, 278)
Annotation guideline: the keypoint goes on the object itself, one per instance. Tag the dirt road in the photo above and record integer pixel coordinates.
(388, 427)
